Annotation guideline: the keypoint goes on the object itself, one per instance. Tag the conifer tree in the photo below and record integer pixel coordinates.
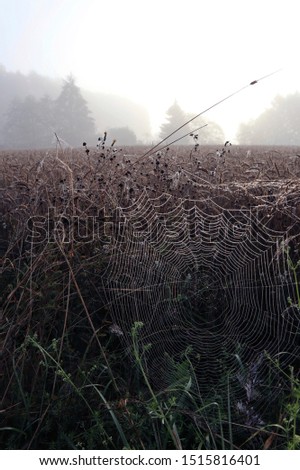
(73, 122)
(175, 118)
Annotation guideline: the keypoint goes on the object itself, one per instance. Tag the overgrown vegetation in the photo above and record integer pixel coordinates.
(68, 379)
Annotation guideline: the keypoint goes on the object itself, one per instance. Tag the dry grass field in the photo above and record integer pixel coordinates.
(68, 344)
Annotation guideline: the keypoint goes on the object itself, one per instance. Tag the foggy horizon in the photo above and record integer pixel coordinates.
(196, 53)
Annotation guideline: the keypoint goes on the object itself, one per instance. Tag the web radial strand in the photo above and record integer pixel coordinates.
(213, 280)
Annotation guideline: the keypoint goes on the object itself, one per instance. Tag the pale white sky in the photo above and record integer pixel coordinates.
(197, 51)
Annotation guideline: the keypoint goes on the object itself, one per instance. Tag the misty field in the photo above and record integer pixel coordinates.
(150, 300)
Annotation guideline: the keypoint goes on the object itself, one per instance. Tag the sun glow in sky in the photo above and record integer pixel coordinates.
(197, 51)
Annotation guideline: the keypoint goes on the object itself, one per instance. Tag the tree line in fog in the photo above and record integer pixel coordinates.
(34, 110)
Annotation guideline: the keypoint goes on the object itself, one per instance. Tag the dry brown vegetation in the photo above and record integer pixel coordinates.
(40, 174)
(77, 184)
(50, 292)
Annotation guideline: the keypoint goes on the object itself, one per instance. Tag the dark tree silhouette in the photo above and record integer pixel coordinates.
(21, 121)
(73, 122)
(31, 123)
(45, 125)
(211, 134)
(28, 123)
(123, 135)
(278, 125)
(175, 117)
(108, 110)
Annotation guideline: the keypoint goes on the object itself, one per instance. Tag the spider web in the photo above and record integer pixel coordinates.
(210, 280)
